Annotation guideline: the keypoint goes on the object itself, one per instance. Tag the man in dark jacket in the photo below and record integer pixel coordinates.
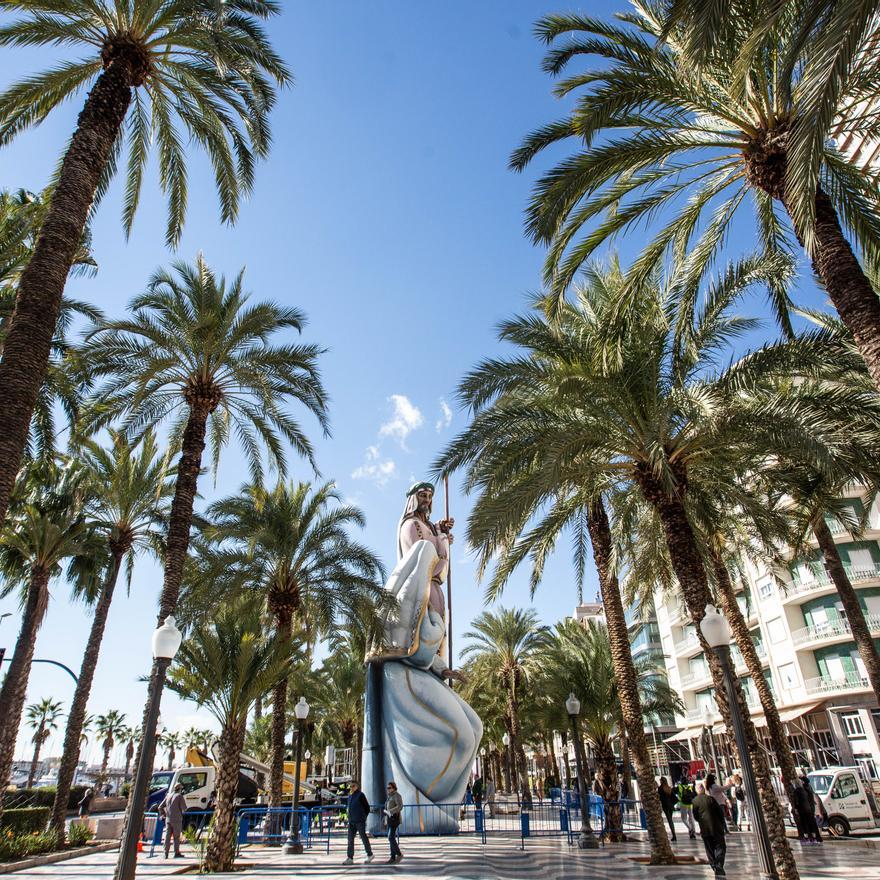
(710, 818)
(358, 809)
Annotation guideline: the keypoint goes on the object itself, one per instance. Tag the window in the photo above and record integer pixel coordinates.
(846, 786)
(765, 587)
(875, 714)
(788, 674)
(826, 749)
(160, 781)
(799, 750)
(192, 781)
(776, 631)
(852, 724)
(860, 559)
(866, 762)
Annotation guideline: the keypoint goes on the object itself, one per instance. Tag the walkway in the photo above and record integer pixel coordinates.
(462, 858)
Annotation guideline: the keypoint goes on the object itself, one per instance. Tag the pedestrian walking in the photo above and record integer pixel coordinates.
(733, 803)
(741, 803)
(804, 808)
(709, 816)
(85, 804)
(685, 793)
(172, 809)
(819, 807)
(490, 798)
(477, 792)
(358, 809)
(668, 800)
(713, 789)
(393, 811)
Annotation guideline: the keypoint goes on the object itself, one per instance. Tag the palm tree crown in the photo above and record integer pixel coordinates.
(201, 71)
(194, 341)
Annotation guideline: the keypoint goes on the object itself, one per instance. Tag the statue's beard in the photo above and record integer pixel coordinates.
(424, 509)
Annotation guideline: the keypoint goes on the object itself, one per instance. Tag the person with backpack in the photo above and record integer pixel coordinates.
(686, 794)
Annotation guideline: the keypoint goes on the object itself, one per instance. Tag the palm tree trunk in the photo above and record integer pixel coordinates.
(14, 690)
(177, 544)
(627, 682)
(70, 755)
(606, 774)
(688, 567)
(258, 708)
(850, 601)
(38, 300)
(848, 287)
(743, 639)
(220, 851)
(283, 629)
(38, 744)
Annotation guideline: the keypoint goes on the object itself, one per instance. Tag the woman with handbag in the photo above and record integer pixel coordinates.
(393, 810)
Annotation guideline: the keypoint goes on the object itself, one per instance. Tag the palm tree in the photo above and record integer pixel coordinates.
(170, 741)
(193, 347)
(206, 68)
(508, 643)
(628, 394)
(224, 663)
(130, 488)
(43, 718)
(292, 544)
(131, 736)
(695, 143)
(48, 527)
(340, 702)
(579, 659)
(110, 728)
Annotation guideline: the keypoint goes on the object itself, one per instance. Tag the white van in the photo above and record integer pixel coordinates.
(847, 797)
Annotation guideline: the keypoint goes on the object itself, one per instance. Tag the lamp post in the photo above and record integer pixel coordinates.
(166, 642)
(506, 742)
(482, 767)
(708, 720)
(586, 839)
(293, 845)
(716, 631)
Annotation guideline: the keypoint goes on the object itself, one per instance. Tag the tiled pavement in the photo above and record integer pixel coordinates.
(464, 858)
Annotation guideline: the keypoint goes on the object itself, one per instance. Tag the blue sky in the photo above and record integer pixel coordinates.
(387, 213)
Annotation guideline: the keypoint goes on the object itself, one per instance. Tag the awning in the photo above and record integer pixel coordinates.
(683, 735)
(794, 714)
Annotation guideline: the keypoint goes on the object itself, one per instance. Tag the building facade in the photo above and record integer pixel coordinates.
(805, 644)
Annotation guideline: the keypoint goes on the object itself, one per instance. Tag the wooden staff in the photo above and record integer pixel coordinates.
(448, 582)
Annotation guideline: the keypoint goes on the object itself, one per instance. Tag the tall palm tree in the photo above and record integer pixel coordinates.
(340, 704)
(190, 71)
(170, 741)
(131, 736)
(129, 490)
(659, 136)
(110, 728)
(223, 664)
(508, 642)
(579, 659)
(629, 394)
(292, 544)
(49, 526)
(195, 349)
(43, 718)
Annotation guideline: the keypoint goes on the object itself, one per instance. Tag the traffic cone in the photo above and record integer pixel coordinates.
(140, 846)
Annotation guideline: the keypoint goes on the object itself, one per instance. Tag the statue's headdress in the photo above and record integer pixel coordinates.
(412, 503)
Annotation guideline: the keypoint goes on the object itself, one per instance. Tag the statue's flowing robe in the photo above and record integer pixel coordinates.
(418, 732)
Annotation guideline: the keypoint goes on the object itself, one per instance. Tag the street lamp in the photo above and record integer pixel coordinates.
(716, 631)
(483, 763)
(293, 845)
(166, 642)
(586, 840)
(506, 741)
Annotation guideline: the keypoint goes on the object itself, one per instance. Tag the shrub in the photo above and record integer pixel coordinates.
(24, 820)
(20, 846)
(79, 834)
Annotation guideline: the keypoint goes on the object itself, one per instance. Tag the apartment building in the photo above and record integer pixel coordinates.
(804, 641)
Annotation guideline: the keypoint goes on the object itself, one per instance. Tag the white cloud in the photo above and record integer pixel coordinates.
(380, 472)
(404, 420)
(445, 416)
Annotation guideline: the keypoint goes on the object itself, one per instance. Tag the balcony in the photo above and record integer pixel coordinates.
(821, 581)
(688, 645)
(696, 679)
(836, 630)
(696, 715)
(824, 685)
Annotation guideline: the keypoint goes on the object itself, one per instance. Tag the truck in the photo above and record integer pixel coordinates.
(848, 798)
(198, 779)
